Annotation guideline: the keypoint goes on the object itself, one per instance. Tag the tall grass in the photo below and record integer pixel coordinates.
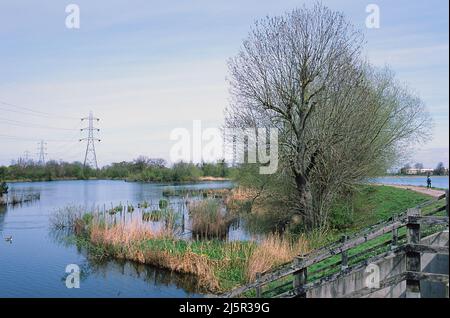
(208, 219)
(134, 241)
(66, 217)
(119, 234)
(272, 251)
(19, 198)
(218, 265)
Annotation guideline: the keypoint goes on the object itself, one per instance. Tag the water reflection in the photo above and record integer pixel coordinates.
(152, 276)
(102, 267)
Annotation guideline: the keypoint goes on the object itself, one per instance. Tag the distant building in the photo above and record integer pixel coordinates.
(419, 171)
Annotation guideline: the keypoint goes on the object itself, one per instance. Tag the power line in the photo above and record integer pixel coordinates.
(90, 155)
(30, 111)
(90, 158)
(32, 139)
(30, 125)
(66, 148)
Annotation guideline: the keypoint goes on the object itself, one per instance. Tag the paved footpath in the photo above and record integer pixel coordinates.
(431, 192)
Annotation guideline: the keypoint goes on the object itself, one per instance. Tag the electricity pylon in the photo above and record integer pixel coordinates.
(41, 152)
(90, 158)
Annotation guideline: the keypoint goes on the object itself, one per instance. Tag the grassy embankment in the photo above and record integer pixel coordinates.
(221, 265)
(383, 200)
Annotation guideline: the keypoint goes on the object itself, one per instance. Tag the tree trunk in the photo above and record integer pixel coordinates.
(305, 201)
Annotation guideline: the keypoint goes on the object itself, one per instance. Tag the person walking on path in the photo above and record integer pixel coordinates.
(428, 181)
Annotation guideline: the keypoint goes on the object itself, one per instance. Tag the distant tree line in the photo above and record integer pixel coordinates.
(141, 169)
(440, 169)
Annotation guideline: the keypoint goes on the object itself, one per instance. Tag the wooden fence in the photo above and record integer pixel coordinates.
(327, 264)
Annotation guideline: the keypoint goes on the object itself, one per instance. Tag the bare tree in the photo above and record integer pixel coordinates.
(440, 169)
(339, 119)
(405, 168)
(142, 162)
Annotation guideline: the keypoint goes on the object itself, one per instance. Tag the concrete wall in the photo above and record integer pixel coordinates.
(433, 263)
(391, 266)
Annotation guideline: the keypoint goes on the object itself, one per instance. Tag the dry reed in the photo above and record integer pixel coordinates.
(272, 251)
(208, 220)
(136, 242)
(127, 242)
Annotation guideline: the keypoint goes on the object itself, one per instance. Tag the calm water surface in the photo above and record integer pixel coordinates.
(33, 265)
(436, 181)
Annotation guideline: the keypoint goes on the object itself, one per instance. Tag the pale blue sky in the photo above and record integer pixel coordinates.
(146, 67)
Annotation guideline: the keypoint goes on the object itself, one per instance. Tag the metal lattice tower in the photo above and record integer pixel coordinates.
(90, 158)
(41, 152)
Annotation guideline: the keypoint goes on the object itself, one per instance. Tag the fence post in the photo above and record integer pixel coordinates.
(412, 257)
(300, 276)
(258, 288)
(344, 254)
(182, 223)
(394, 242)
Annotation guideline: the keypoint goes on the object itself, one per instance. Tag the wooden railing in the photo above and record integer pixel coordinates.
(291, 279)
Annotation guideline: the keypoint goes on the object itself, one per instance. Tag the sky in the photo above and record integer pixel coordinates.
(147, 67)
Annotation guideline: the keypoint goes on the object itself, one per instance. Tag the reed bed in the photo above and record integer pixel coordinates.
(208, 219)
(208, 260)
(218, 264)
(118, 234)
(272, 251)
(19, 198)
(66, 217)
(240, 199)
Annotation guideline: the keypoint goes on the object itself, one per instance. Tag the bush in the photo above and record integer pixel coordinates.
(3, 188)
(342, 212)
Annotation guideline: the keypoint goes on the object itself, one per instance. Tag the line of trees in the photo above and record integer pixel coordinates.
(141, 169)
(440, 169)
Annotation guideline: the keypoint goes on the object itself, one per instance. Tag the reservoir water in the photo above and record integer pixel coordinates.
(436, 181)
(34, 263)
